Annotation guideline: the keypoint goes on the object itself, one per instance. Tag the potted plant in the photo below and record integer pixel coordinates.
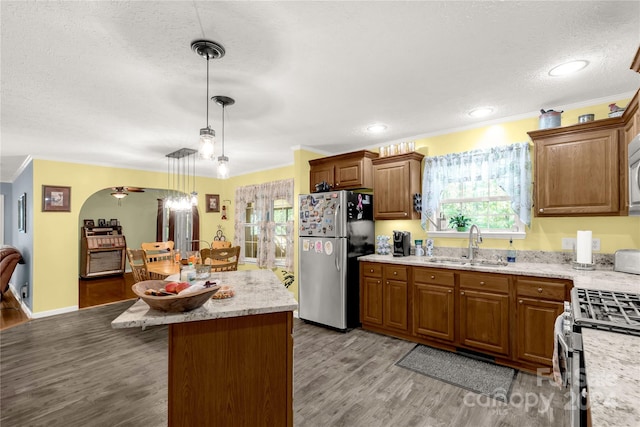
(459, 222)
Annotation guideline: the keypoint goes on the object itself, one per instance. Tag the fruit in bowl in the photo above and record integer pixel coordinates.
(155, 294)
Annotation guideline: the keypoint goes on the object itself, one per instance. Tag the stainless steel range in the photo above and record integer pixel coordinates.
(609, 310)
(617, 312)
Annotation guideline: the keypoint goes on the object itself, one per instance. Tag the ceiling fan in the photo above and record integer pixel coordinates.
(122, 192)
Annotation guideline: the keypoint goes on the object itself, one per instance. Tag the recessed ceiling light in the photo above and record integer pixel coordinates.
(377, 128)
(568, 68)
(481, 112)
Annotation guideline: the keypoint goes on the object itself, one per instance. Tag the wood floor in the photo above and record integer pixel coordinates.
(75, 370)
(92, 292)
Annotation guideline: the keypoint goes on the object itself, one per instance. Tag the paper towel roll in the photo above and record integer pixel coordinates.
(583, 247)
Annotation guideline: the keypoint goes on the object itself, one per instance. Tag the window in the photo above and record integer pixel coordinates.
(264, 224)
(251, 234)
(484, 202)
(282, 212)
(491, 186)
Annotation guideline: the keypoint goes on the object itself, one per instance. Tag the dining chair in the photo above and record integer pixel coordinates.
(217, 244)
(138, 262)
(159, 251)
(221, 259)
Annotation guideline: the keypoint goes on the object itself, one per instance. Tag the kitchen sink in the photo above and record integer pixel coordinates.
(464, 261)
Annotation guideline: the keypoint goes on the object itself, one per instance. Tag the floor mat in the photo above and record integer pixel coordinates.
(462, 371)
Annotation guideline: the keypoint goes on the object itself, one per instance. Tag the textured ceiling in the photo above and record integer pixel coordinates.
(116, 83)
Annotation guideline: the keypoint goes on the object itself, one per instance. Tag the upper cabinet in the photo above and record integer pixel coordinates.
(578, 170)
(344, 171)
(395, 180)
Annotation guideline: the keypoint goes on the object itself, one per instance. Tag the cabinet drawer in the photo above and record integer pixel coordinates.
(485, 282)
(395, 272)
(541, 289)
(429, 275)
(371, 269)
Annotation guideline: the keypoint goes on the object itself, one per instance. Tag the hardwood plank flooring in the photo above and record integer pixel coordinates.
(11, 313)
(75, 370)
(104, 290)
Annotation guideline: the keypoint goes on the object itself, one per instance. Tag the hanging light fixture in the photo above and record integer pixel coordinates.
(119, 193)
(223, 161)
(181, 175)
(208, 50)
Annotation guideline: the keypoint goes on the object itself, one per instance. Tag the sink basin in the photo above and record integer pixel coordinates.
(439, 260)
(464, 261)
(494, 263)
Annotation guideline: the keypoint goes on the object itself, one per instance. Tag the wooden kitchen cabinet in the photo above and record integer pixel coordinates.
(484, 312)
(395, 180)
(434, 303)
(384, 296)
(578, 170)
(371, 299)
(344, 171)
(539, 303)
(396, 297)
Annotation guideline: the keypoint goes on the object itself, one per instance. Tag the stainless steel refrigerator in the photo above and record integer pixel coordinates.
(336, 227)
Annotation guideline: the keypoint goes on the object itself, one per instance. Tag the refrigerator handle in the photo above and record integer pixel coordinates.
(335, 220)
(336, 259)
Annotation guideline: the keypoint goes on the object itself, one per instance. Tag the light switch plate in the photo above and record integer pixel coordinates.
(569, 243)
(595, 244)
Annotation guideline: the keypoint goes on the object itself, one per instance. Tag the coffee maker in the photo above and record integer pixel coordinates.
(401, 243)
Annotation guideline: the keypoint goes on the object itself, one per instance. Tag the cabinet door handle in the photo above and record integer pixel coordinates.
(371, 271)
(378, 281)
(520, 301)
(449, 291)
(539, 290)
(433, 277)
(405, 214)
(482, 283)
(387, 282)
(395, 273)
(540, 210)
(462, 293)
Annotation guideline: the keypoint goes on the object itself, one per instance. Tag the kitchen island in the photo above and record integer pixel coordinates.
(612, 366)
(231, 360)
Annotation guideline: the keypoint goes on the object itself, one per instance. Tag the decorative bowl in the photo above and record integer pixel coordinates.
(172, 303)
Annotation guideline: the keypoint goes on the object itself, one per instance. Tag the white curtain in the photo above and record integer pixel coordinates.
(263, 196)
(509, 165)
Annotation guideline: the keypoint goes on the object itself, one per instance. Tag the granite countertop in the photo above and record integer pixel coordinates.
(256, 292)
(605, 279)
(612, 362)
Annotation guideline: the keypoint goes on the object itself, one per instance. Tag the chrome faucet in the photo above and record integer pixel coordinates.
(473, 244)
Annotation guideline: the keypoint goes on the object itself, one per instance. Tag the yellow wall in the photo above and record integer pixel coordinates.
(57, 234)
(545, 234)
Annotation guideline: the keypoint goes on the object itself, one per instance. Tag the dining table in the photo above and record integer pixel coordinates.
(162, 269)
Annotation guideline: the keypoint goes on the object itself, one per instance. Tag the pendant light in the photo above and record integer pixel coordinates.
(181, 175)
(207, 50)
(223, 161)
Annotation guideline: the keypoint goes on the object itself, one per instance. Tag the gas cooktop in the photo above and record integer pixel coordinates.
(609, 310)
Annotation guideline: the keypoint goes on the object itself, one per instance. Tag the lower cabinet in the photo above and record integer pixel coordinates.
(434, 304)
(539, 303)
(484, 312)
(506, 316)
(384, 298)
(371, 297)
(396, 298)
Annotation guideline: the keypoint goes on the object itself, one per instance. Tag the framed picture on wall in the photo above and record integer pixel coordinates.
(213, 202)
(56, 199)
(22, 213)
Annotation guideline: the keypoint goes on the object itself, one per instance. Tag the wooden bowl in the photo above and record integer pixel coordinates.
(172, 303)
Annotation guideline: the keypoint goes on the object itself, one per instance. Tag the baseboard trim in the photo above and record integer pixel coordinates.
(63, 310)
